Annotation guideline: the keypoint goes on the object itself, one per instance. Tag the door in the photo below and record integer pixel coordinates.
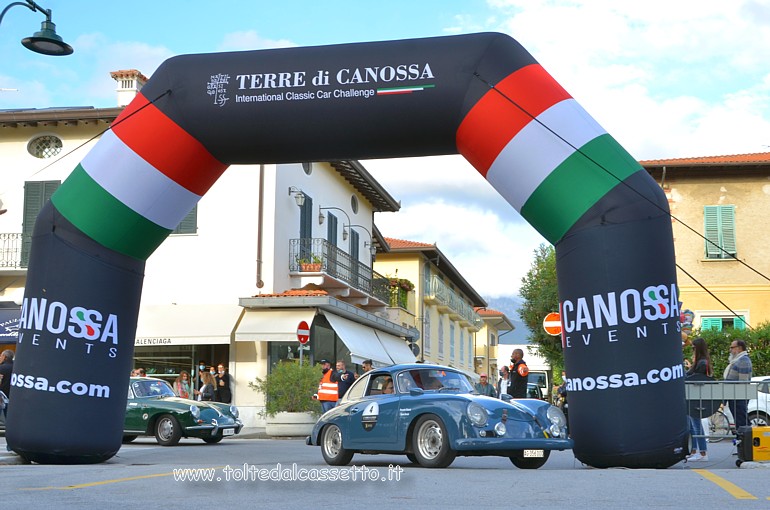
(373, 417)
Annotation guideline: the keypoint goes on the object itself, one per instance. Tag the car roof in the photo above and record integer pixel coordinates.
(413, 366)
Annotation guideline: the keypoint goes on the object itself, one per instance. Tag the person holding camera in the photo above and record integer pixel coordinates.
(343, 377)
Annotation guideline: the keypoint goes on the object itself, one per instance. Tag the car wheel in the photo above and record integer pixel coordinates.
(430, 443)
(167, 430)
(522, 462)
(213, 439)
(758, 419)
(412, 458)
(128, 439)
(331, 447)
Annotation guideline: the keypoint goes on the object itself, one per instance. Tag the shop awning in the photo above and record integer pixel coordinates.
(272, 325)
(186, 324)
(361, 340)
(9, 325)
(397, 349)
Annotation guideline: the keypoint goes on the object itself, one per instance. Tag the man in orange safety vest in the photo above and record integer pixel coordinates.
(327, 390)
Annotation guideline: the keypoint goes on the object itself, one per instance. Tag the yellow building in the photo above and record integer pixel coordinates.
(430, 294)
(725, 199)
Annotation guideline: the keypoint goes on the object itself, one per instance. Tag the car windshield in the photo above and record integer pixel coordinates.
(434, 379)
(152, 388)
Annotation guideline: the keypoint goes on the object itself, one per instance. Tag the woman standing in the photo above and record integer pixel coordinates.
(207, 390)
(701, 364)
(182, 384)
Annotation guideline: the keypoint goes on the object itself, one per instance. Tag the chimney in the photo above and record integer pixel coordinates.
(130, 82)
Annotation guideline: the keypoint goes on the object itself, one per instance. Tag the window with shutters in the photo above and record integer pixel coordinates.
(719, 231)
(36, 194)
(189, 224)
(723, 323)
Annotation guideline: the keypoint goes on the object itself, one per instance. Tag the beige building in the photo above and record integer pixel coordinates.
(429, 293)
(725, 199)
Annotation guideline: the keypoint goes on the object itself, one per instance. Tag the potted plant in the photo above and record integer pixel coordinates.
(289, 406)
(310, 265)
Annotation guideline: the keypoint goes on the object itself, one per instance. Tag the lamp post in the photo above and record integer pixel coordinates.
(46, 41)
(321, 218)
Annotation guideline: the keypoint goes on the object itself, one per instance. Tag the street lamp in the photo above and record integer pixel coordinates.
(321, 218)
(370, 243)
(46, 41)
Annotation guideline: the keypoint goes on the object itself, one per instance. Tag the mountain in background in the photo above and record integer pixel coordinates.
(509, 305)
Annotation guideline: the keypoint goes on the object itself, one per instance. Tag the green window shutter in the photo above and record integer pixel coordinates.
(719, 231)
(189, 224)
(739, 323)
(36, 194)
(711, 323)
(727, 224)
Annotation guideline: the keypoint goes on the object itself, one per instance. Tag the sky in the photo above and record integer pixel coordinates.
(666, 79)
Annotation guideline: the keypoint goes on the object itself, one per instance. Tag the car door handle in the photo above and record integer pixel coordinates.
(133, 404)
(355, 410)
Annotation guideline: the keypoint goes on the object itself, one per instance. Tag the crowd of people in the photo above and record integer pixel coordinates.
(211, 383)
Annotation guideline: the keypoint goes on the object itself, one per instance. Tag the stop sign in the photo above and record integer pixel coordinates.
(552, 324)
(303, 333)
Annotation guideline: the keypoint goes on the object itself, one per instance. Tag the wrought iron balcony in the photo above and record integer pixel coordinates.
(320, 256)
(450, 302)
(12, 256)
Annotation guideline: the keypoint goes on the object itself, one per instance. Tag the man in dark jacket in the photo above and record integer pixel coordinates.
(519, 375)
(343, 377)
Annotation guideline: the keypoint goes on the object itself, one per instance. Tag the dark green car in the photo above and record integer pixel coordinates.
(153, 409)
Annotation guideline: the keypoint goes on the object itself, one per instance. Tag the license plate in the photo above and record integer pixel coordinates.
(533, 453)
(230, 432)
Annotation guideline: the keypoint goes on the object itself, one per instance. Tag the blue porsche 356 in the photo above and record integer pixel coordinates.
(431, 414)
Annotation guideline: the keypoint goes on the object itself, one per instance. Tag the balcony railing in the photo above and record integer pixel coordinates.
(11, 251)
(319, 255)
(452, 303)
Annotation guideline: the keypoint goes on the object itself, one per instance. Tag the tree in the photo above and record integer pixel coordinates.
(541, 296)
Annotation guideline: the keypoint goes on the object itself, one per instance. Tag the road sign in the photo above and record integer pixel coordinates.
(552, 324)
(303, 333)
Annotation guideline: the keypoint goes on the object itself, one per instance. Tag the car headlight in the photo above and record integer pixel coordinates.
(195, 411)
(500, 428)
(477, 414)
(234, 411)
(558, 421)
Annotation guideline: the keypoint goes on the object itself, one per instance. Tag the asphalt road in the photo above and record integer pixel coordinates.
(250, 473)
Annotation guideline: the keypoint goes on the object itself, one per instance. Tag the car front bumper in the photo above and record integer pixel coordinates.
(509, 444)
(195, 430)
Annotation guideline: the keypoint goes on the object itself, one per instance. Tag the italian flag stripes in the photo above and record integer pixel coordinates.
(541, 151)
(139, 181)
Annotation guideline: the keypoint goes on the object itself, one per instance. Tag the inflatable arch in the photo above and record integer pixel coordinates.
(480, 95)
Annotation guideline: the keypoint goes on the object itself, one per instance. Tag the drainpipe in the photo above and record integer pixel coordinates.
(260, 219)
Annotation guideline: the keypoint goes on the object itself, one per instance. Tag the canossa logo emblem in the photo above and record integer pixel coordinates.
(629, 306)
(38, 314)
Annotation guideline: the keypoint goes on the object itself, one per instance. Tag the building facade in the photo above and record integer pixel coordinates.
(441, 304)
(718, 206)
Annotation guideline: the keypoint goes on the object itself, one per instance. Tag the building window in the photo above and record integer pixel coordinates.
(462, 346)
(719, 228)
(46, 146)
(451, 342)
(36, 194)
(440, 336)
(492, 339)
(723, 323)
(307, 167)
(354, 204)
(426, 333)
(189, 224)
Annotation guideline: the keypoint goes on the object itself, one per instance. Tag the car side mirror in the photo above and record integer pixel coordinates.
(416, 392)
(506, 397)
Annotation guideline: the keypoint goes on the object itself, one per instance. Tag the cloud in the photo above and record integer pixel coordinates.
(250, 40)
